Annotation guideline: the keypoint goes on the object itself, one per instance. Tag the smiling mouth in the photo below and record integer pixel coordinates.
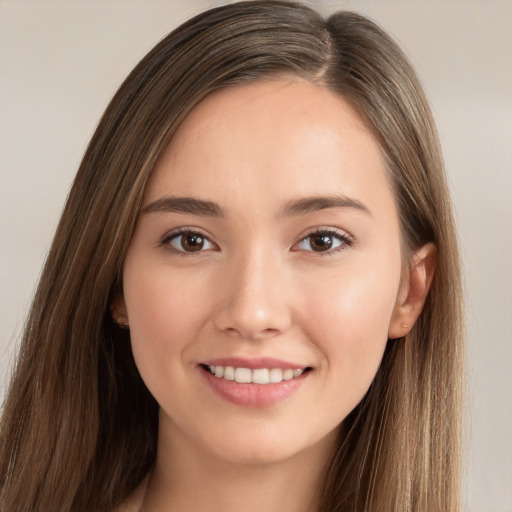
(254, 376)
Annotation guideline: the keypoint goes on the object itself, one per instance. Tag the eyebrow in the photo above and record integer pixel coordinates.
(170, 204)
(195, 206)
(317, 203)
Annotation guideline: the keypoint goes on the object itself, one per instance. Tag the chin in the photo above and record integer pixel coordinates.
(259, 446)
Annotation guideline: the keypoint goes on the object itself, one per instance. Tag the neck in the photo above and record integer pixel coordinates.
(187, 477)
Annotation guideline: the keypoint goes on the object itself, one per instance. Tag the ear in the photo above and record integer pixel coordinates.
(413, 291)
(118, 310)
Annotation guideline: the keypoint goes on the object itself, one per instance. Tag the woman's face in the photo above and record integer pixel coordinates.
(269, 242)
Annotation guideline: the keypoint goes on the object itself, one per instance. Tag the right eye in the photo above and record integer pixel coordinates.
(188, 241)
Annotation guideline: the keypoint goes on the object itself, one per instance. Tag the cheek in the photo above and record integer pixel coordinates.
(165, 314)
(351, 316)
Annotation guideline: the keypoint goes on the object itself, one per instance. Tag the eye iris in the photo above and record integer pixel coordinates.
(321, 242)
(192, 242)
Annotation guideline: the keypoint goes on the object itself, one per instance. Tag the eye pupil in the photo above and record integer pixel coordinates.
(192, 242)
(321, 242)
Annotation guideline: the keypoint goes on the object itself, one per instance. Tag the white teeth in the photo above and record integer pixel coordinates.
(229, 373)
(275, 375)
(243, 375)
(257, 376)
(287, 374)
(260, 376)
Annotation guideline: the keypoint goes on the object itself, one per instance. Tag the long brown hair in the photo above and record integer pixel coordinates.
(79, 427)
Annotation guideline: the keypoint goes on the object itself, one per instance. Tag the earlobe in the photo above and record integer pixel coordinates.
(118, 311)
(413, 291)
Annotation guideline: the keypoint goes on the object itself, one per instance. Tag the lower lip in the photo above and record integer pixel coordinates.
(253, 395)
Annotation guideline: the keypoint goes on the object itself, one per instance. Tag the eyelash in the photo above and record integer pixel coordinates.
(345, 239)
(166, 241)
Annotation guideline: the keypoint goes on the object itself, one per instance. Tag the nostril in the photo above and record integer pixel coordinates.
(251, 334)
(252, 317)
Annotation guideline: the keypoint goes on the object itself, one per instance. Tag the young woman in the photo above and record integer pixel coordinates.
(252, 301)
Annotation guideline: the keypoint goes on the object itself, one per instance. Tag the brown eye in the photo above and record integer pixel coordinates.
(321, 242)
(189, 241)
(324, 241)
(192, 242)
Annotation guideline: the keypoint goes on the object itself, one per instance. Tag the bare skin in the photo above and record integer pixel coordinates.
(291, 254)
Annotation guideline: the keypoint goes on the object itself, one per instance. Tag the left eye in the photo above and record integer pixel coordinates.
(189, 241)
(323, 241)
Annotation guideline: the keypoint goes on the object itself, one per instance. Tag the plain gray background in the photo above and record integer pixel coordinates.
(61, 61)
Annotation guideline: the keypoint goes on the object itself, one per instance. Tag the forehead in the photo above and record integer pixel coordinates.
(271, 138)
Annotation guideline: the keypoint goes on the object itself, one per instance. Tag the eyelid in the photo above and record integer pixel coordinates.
(346, 238)
(184, 230)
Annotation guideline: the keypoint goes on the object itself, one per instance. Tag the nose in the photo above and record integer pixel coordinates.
(254, 298)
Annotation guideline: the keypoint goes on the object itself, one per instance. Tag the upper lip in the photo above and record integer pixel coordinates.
(253, 364)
